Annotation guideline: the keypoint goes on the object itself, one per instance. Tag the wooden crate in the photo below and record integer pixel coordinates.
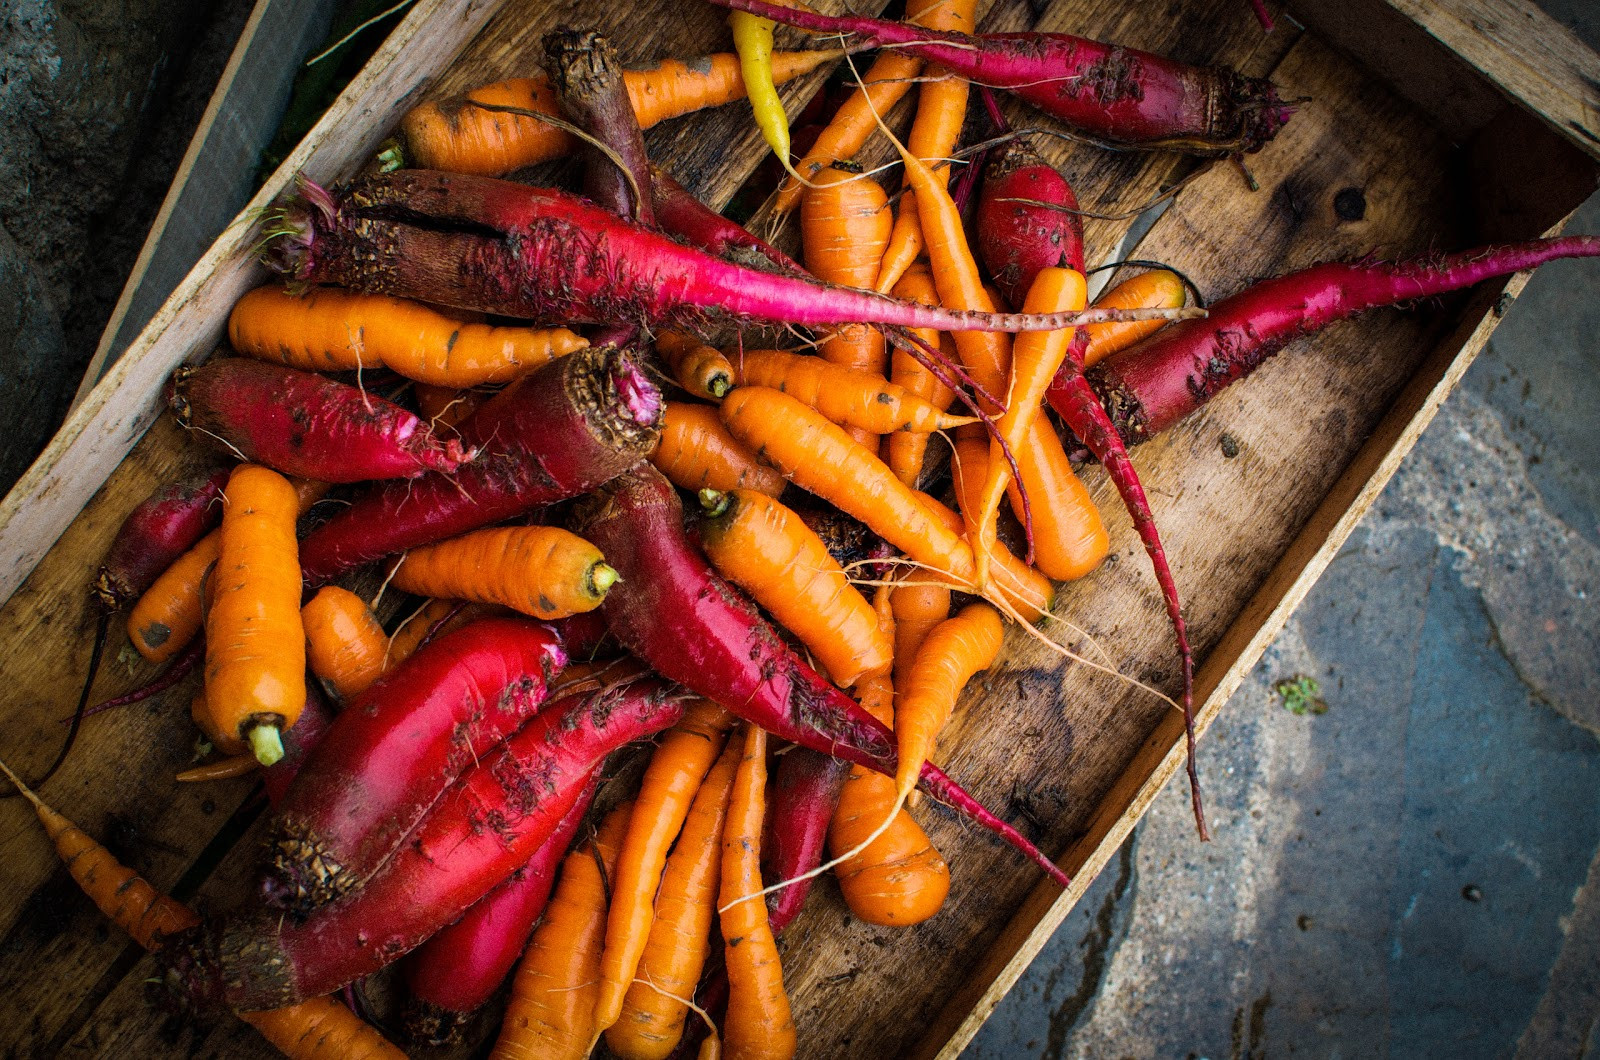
(1447, 122)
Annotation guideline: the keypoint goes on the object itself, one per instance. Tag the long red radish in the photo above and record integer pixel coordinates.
(805, 792)
(159, 530)
(1116, 95)
(720, 647)
(539, 253)
(487, 825)
(563, 430)
(392, 753)
(683, 215)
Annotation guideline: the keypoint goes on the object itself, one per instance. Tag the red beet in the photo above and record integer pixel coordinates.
(163, 527)
(456, 971)
(564, 429)
(587, 77)
(538, 253)
(1119, 96)
(487, 825)
(717, 645)
(1150, 387)
(395, 750)
(805, 792)
(305, 424)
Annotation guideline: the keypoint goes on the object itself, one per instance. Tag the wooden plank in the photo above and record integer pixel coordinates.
(218, 170)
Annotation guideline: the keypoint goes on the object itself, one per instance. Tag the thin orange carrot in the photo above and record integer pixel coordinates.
(919, 604)
(543, 571)
(221, 769)
(696, 452)
(680, 762)
(846, 396)
(904, 452)
(759, 1023)
(1156, 289)
(1025, 590)
(957, 649)
(551, 1013)
(345, 645)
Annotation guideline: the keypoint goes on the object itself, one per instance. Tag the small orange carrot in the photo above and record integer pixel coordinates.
(653, 1011)
(957, 649)
(700, 369)
(345, 645)
(221, 769)
(680, 762)
(848, 397)
(255, 641)
(919, 603)
(696, 452)
(446, 406)
(551, 1013)
(329, 330)
(405, 640)
(759, 1023)
(904, 452)
(767, 550)
(457, 136)
(1156, 289)
(844, 224)
(543, 571)
(319, 1029)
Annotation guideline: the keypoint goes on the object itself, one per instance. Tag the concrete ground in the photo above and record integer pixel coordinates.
(1416, 871)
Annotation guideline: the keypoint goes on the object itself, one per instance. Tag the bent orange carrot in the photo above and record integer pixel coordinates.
(1156, 289)
(653, 1011)
(543, 571)
(957, 649)
(330, 330)
(457, 136)
(318, 1029)
(1025, 590)
(345, 645)
(759, 1023)
(696, 452)
(680, 762)
(255, 641)
(848, 397)
(411, 634)
(551, 1013)
(918, 603)
(767, 550)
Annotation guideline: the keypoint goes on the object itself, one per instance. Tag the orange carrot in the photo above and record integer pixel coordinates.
(255, 641)
(700, 369)
(1023, 588)
(919, 603)
(848, 397)
(759, 1023)
(681, 761)
(345, 645)
(224, 741)
(319, 1029)
(455, 135)
(551, 1013)
(904, 452)
(767, 550)
(543, 571)
(221, 769)
(405, 640)
(844, 225)
(957, 649)
(329, 330)
(696, 452)
(653, 1011)
(1156, 289)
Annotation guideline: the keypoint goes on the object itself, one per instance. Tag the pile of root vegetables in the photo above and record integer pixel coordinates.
(693, 584)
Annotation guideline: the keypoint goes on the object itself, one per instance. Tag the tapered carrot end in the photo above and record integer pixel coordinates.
(53, 821)
(608, 1007)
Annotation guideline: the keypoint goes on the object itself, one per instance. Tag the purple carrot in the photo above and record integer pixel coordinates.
(161, 528)
(678, 212)
(564, 429)
(305, 424)
(719, 646)
(1153, 385)
(587, 75)
(538, 253)
(805, 792)
(1118, 96)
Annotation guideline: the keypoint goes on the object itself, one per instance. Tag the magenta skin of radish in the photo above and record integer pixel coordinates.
(680, 213)
(160, 529)
(805, 792)
(1018, 240)
(305, 424)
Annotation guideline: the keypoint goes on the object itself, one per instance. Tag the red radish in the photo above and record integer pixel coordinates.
(161, 528)
(487, 825)
(305, 424)
(455, 972)
(719, 646)
(564, 429)
(1044, 232)
(581, 634)
(539, 253)
(1153, 385)
(683, 215)
(587, 76)
(1120, 96)
(805, 791)
(395, 750)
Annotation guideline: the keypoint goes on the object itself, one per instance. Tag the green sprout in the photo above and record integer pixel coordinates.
(1301, 695)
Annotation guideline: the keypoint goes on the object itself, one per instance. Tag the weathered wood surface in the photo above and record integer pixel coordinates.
(1075, 753)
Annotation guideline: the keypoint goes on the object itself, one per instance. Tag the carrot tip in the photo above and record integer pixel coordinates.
(266, 743)
(602, 577)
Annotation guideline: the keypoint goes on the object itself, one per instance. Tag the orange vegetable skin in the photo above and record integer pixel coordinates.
(767, 550)
(847, 397)
(759, 1023)
(330, 330)
(405, 640)
(681, 760)
(551, 1013)
(957, 649)
(446, 406)
(255, 641)
(844, 224)
(904, 452)
(221, 769)
(919, 604)
(1019, 585)
(453, 135)
(652, 1018)
(700, 369)
(345, 645)
(696, 452)
(1156, 289)
(543, 571)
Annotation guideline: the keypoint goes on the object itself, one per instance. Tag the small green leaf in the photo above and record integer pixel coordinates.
(1301, 695)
